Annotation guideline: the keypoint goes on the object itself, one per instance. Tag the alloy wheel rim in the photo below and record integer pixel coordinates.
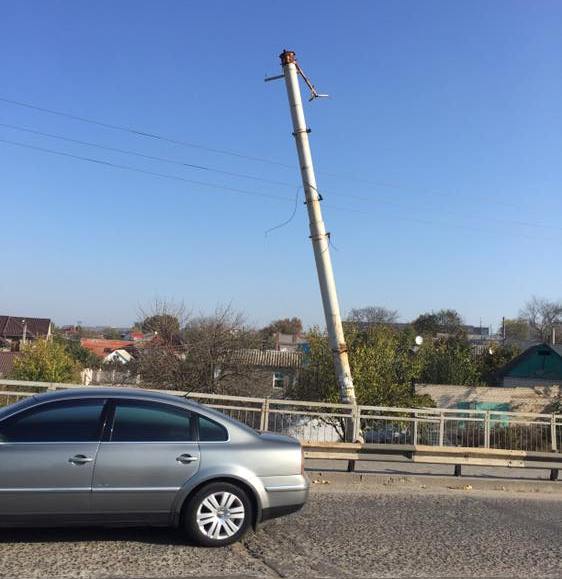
(220, 515)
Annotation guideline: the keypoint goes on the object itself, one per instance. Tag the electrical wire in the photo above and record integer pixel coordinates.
(152, 135)
(241, 175)
(144, 171)
(253, 193)
(287, 221)
(447, 224)
(142, 133)
(143, 155)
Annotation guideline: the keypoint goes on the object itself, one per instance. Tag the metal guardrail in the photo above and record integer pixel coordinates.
(452, 436)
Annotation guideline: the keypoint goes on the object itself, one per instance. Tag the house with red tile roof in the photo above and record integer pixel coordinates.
(102, 347)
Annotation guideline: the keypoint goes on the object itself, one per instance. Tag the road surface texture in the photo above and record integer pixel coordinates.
(354, 525)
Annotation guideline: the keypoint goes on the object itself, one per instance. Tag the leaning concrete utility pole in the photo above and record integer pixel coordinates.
(318, 234)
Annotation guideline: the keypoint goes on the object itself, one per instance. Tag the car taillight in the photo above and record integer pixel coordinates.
(302, 460)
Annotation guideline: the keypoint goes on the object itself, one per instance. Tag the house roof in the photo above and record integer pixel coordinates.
(504, 370)
(124, 355)
(13, 326)
(102, 347)
(557, 348)
(7, 362)
(270, 358)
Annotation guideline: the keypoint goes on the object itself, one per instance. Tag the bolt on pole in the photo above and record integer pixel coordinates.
(318, 235)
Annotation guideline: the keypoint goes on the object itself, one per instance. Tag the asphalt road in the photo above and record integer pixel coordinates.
(388, 528)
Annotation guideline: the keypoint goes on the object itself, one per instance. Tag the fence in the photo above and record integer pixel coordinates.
(353, 432)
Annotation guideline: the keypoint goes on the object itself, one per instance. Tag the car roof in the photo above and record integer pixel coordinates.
(120, 392)
(109, 392)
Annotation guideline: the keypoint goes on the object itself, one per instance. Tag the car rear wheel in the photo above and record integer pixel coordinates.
(218, 514)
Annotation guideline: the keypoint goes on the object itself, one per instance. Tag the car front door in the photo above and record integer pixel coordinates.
(47, 456)
(148, 453)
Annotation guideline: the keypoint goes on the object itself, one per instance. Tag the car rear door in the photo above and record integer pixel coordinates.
(47, 456)
(148, 453)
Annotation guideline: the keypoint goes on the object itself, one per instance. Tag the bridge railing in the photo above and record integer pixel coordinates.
(380, 426)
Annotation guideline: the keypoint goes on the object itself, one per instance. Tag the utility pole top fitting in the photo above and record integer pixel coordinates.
(287, 57)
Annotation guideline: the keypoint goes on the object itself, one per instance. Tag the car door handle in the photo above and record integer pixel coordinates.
(80, 459)
(186, 458)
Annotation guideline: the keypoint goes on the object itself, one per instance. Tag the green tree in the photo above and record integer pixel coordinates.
(443, 321)
(494, 358)
(46, 361)
(448, 361)
(383, 365)
(82, 356)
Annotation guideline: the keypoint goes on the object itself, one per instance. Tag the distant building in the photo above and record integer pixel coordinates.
(102, 347)
(531, 382)
(538, 365)
(15, 330)
(69, 331)
(273, 371)
(517, 399)
(290, 342)
(133, 335)
(122, 356)
(476, 333)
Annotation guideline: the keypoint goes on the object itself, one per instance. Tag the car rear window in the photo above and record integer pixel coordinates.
(211, 431)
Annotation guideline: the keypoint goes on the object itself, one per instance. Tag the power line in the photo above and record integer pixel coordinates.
(142, 133)
(144, 155)
(245, 191)
(145, 172)
(152, 135)
(448, 224)
(235, 174)
(491, 219)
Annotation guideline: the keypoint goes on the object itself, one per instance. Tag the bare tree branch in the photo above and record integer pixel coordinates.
(542, 315)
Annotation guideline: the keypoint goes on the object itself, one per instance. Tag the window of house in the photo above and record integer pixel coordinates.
(278, 380)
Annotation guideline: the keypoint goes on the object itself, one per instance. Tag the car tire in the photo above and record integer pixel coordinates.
(218, 514)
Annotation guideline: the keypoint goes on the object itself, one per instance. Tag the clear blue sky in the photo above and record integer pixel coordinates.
(444, 122)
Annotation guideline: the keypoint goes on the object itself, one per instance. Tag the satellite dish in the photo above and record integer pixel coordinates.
(419, 340)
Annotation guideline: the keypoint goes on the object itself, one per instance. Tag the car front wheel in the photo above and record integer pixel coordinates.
(218, 514)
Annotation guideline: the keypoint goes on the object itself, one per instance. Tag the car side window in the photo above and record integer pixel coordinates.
(211, 431)
(64, 421)
(137, 421)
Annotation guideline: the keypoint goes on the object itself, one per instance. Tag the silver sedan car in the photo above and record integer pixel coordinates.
(114, 456)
